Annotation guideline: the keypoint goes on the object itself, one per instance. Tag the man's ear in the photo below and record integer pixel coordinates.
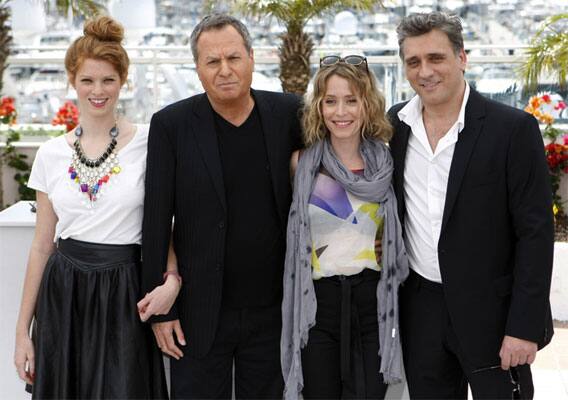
(463, 59)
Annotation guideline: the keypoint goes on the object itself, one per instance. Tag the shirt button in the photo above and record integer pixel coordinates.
(267, 167)
(221, 225)
(218, 267)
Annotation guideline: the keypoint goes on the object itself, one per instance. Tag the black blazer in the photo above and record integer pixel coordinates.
(184, 180)
(496, 243)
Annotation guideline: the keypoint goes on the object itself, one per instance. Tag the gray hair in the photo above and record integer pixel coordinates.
(215, 22)
(420, 24)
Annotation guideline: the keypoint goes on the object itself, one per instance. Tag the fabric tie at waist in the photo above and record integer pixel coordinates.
(351, 353)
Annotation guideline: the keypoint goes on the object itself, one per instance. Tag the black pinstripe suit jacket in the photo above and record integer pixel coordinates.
(184, 180)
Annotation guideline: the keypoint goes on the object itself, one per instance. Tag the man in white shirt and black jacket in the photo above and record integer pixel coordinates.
(475, 201)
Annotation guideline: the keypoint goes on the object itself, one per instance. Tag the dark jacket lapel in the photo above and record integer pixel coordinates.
(467, 138)
(398, 145)
(206, 138)
(399, 162)
(272, 127)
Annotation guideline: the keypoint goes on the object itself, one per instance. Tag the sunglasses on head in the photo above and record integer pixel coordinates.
(354, 60)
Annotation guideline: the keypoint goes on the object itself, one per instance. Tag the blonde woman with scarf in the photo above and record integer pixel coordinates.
(340, 334)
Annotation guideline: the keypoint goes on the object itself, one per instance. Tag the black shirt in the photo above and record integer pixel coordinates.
(255, 244)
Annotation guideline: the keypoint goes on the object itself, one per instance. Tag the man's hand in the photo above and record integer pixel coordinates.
(163, 331)
(515, 351)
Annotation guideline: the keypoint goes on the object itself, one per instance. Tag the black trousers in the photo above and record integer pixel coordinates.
(247, 337)
(434, 363)
(341, 359)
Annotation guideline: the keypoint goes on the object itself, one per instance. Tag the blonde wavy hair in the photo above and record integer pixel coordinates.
(375, 123)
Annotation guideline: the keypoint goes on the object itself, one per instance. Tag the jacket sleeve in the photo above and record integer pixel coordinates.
(296, 125)
(159, 202)
(530, 208)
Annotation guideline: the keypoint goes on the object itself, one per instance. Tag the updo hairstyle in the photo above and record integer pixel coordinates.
(101, 40)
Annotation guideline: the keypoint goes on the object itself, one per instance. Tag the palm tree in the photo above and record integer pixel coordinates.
(297, 46)
(548, 52)
(77, 7)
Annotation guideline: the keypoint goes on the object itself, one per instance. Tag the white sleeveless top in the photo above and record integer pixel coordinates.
(116, 216)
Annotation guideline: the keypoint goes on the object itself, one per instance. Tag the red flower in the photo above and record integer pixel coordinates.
(8, 112)
(556, 157)
(67, 115)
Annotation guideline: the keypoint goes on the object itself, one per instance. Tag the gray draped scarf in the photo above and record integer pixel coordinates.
(299, 301)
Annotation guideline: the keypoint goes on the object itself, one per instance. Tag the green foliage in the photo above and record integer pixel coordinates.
(12, 158)
(548, 52)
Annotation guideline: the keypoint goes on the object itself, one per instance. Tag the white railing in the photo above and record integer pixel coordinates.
(153, 61)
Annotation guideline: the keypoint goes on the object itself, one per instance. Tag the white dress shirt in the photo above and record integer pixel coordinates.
(425, 184)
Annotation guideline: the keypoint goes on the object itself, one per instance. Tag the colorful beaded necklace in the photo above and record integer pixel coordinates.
(91, 174)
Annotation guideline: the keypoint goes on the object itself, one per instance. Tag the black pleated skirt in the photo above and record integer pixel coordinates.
(89, 341)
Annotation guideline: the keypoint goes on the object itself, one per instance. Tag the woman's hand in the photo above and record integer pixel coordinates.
(24, 358)
(160, 300)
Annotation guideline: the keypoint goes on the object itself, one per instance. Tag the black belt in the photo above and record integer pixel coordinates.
(98, 255)
(418, 281)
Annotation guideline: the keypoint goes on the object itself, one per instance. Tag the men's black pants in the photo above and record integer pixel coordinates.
(434, 363)
(249, 337)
